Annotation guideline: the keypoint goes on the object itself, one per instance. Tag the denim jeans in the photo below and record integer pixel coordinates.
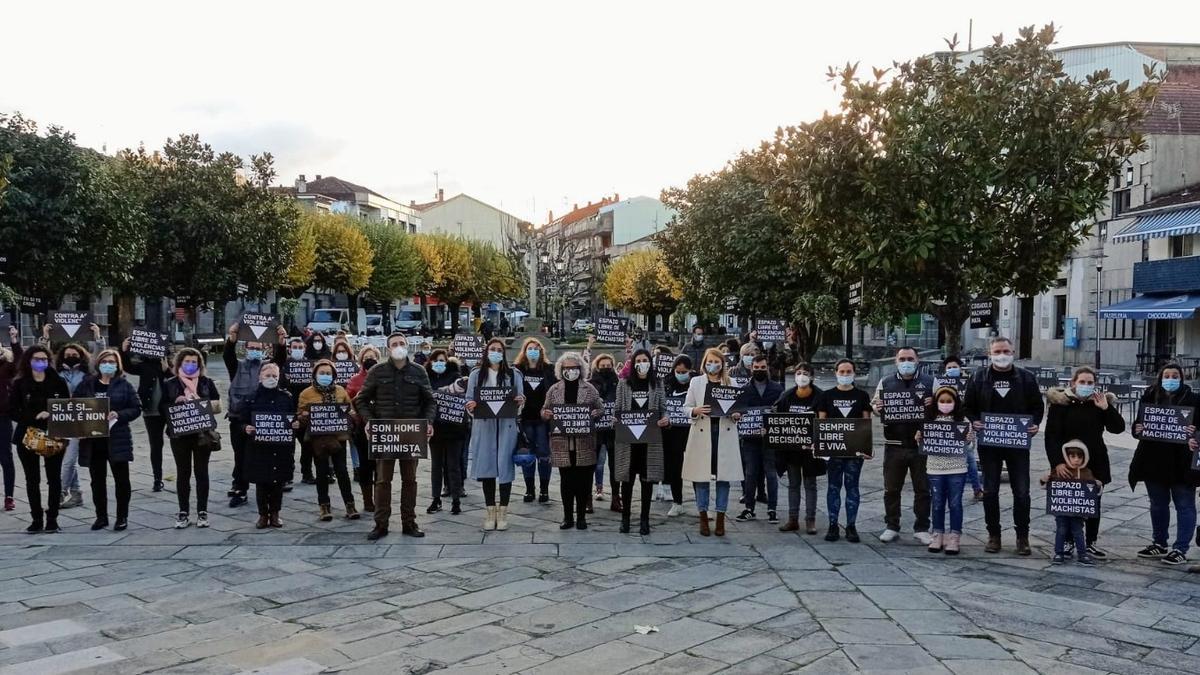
(70, 467)
(1161, 496)
(604, 451)
(1065, 527)
(755, 461)
(702, 496)
(946, 491)
(843, 473)
(993, 459)
(973, 469)
(353, 455)
(538, 434)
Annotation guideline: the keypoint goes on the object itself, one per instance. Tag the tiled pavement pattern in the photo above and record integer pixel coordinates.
(317, 597)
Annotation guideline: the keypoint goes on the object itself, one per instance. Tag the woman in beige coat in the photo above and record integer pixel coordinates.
(713, 453)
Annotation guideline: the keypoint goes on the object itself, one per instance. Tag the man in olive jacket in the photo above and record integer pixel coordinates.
(396, 389)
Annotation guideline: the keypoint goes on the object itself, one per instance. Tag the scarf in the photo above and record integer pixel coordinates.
(327, 393)
(189, 385)
(570, 391)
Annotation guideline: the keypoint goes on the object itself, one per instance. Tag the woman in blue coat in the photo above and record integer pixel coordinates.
(493, 440)
(116, 451)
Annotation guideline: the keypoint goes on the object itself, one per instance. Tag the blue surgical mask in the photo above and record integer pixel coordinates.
(297, 354)
(1085, 390)
(533, 354)
(906, 367)
(439, 367)
(683, 378)
(495, 357)
(107, 368)
(844, 380)
(954, 372)
(748, 360)
(254, 355)
(1170, 384)
(712, 368)
(324, 379)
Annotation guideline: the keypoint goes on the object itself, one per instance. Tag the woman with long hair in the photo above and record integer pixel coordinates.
(604, 379)
(116, 451)
(844, 401)
(538, 375)
(329, 451)
(675, 437)
(8, 372)
(947, 475)
(191, 452)
(493, 440)
(73, 363)
(446, 446)
(574, 455)
(640, 392)
(713, 453)
(364, 471)
(36, 383)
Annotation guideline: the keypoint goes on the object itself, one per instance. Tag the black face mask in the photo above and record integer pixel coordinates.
(605, 373)
(369, 364)
(760, 376)
(71, 361)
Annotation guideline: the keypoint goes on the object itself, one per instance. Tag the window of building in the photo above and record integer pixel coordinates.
(1183, 245)
(1060, 315)
(1118, 329)
(1120, 203)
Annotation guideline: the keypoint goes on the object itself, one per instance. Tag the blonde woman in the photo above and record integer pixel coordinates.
(538, 375)
(713, 453)
(116, 451)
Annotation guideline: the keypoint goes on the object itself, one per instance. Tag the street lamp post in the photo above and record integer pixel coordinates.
(1099, 292)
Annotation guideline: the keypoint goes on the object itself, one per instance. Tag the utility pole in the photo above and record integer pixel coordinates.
(1099, 292)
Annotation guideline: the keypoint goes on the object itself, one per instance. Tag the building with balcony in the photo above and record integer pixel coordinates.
(578, 242)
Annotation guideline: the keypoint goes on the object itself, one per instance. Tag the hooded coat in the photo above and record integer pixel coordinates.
(1070, 417)
(1160, 462)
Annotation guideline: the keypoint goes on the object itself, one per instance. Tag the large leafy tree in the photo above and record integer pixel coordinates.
(345, 260)
(492, 275)
(396, 265)
(448, 271)
(640, 282)
(945, 178)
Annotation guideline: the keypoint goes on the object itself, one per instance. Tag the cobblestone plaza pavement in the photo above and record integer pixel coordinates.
(317, 597)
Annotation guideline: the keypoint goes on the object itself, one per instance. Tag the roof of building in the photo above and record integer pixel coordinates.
(290, 191)
(578, 213)
(342, 190)
(1189, 195)
(1174, 110)
(462, 195)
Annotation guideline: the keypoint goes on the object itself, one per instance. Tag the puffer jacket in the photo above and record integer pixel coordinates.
(123, 400)
(392, 392)
(1160, 462)
(1072, 418)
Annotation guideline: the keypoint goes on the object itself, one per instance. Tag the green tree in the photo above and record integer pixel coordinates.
(303, 262)
(397, 264)
(640, 282)
(943, 179)
(448, 276)
(345, 260)
(492, 276)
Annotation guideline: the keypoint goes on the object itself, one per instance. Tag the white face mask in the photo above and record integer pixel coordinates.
(400, 353)
(803, 380)
(270, 382)
(318, 346)
(642, 368)
(343, 356)
(1002, 360)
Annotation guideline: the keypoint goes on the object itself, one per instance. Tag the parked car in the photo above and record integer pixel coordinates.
(409, 320)
(374, 325)
(329, 320)
(582, 326)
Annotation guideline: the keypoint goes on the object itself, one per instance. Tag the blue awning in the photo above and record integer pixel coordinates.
(1181, 306)
(1169, 224)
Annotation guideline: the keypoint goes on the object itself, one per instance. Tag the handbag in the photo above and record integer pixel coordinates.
(523, 454)
(209, 440)
(36, 440)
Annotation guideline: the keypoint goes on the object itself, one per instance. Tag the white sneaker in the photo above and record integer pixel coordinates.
(676, 510)
(888, 536)
(924, 537)
(599, 493)
(202, 519)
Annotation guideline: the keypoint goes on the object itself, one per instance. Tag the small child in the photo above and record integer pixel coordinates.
(1075, 456)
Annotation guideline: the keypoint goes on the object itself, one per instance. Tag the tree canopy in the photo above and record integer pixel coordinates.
(640, 282)
(396, 263)
(344, 255)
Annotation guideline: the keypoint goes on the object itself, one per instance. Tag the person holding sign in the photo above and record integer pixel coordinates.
(36, 383)
(151, 373)
(192, 451)
(449, 437)
(675, 435)
(896, 399)
(1166, 469)
(73, 364)
(844, 401)
(268, 465)
(116, 451)
(952, 369)
(243, 382)
(802, 467)
(493, 439)
(364, 471)
(396, 389)
(574, 455)
(1079, 413)
(758, 461)
(947, 475)
(8, 371)
(330, 449)
(713, 454)
(640, 392)
(1073, 467)
(538, 376)
(604, 379)
(1004, 388)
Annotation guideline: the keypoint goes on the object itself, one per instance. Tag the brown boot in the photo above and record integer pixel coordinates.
(615, 503)
(810, 525)
(720, 529)
(326, 513)
(792, 525)
(1023, 546)
(704, 524)
(275, 521)
(993, 545)
(263, 522)
(351, 512)
(368, 502)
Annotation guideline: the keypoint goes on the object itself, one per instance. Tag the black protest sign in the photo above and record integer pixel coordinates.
(1006, 431)
(790, 432)
(1166, 423)
(495, 403)
(611, 329)
(344, 370)
(740, 381)
(677, 413)
(451, 408)
(955, 383)
(982, 312)
(751, 422)
(69, 326)
(903, 406)
(639, 426)
(946, 439)
(664, 366)
(1073, 498)
(723, 400)
(256, 327)
(855, 294)
(190, 418)
(605, 421)
(77, 418)
(273, 428)
(298, 371)
(469, 348)
(770, 330)
(571, 420)
(29, 304)
(398, 439)
(327, 419)
(731, 360)
(845, 438)
(148, 343)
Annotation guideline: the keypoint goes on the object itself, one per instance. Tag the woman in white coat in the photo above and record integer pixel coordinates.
(713, 453)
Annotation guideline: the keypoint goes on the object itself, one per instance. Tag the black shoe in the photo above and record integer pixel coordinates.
(411, 530)
(237, 500)
(624, 529)
(746, 514)
(158, 486)
(231, 492)
(567, 525)
(529, 497)
(543, 498)
(455, 508)
(331, 479)
(288, 486)
(580, 523)
(308, 480)
(644, 527)
(120, 525)
(1152, 551)
(434, 506)
(52, 526)
(35, 526)
(832, 534)
(100, 524)
(772, 517)
(1096, 552)
(377, 534)
(852, 534)
(1173, 558)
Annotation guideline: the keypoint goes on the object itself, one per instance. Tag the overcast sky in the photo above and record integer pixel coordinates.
(530, 106)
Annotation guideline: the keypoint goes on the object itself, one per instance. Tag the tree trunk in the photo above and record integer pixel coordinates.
(125, 304)
(425, 312)
(353, 302)
(453, 307)
(951, 317)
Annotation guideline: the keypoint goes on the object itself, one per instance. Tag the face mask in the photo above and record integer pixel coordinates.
(324, 379)
(954, 372)
(945, 408)
(426, 350)
(642, 368)
(370, 363)
(760, 376)
(906, 367)
(1170, 384)
(342, 356)
(605, 371)
(570, 374)
(844, 380)
(108, 369)
(270, 382)
(768, 344)
(1085, 390)
(1002, 360)
(683, 378)
(39, 365)
(533, 354)
(297, 354)
(439, 367)
(254, 355)
(712, 368)
(802, 380)
(748, 360)
(70, 361)
(189, 368)
(495, 357)
(400, 353)
(318, 346)
(698, 338)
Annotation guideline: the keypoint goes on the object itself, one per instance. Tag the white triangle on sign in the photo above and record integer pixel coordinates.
(495, 406)
(71, 328)
(637, 430)
(258, 330)
(1003, 391)
(640, 400)
(725, 404)
(845, 410)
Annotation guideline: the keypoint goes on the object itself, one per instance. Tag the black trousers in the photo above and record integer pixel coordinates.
(446, 457)
(576, 490)
(269, 497)
(637, 467)
(31, 462)
(98, 466)
(240, 441)
(156, 427)
(188, 459)
(489, 492)
(338, 459)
